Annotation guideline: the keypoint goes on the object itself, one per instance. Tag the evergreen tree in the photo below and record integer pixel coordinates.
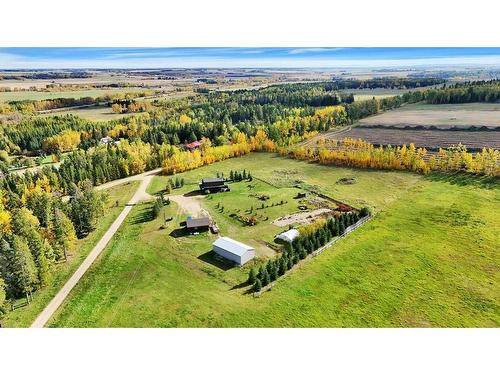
(302, 254)
(275, 272)
(257, 286)
(64, 236)
(290, 263)
(265, 277)
(251, 276)
(364, 212)
(23, 267)
(341, 228)
(260, 274)
(269, 266)
(85, 206)
(282, 266)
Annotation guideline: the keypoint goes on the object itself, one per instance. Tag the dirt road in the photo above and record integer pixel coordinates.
(139, 195)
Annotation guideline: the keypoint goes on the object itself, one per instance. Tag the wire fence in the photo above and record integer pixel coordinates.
(315, 253)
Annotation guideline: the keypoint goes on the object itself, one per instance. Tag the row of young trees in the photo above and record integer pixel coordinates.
(238, 175)
(361, 154)
(312, 238)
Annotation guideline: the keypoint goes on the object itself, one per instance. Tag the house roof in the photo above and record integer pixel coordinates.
(289, 235)
(200, 222)
(193, 144)
(234, 247)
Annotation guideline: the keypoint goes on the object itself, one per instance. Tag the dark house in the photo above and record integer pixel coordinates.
(213, 185)
(197, 225)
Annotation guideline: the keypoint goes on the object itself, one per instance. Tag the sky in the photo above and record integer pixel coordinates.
(299, 57)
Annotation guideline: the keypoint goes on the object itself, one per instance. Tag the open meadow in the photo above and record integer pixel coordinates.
(429, 257)
(94, 113)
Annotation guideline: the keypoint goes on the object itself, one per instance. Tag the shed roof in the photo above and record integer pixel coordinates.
(289, 235)
(200, 222)
(232, 246)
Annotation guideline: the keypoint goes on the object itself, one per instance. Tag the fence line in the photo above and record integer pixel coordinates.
(315, 253)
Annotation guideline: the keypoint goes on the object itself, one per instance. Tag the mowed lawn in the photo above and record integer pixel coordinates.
(24, 316)
(429, 258)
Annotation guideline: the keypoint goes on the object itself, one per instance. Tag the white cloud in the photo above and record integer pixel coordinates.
(298, 51)
(14, 61)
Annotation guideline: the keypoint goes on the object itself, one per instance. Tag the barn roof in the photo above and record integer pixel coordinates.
(200, 222)
(232, 246)
(212, 179)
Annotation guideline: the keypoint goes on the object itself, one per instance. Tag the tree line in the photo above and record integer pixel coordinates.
(358, 153)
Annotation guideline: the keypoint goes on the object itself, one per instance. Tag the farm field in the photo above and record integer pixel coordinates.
(367, 94)
(428, 258)
(432, 139)
(97, 113)
(24, 316)
(439, 116)
(41, 95)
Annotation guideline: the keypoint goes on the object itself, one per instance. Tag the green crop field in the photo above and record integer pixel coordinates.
(429, 257)
(24, 316)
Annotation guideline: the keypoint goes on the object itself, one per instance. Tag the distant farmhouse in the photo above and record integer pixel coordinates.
(233, 250)
(193, 145)
(197, 225)
(213, 185)
(106, 140)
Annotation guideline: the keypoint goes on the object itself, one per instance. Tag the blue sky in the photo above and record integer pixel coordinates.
(299, 57)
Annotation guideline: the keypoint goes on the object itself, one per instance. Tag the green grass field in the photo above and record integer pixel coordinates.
(24, 316)
(429, 258)
(41, 95)
(100, 113)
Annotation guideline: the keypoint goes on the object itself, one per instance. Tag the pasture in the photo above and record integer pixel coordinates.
(428, 258)
(94, 113)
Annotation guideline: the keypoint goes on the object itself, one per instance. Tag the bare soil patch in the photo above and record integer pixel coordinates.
(301, 217)
(440, 116)
(432, 139)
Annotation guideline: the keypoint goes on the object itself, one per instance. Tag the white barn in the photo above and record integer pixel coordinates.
(233, 250)
(289, 235)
